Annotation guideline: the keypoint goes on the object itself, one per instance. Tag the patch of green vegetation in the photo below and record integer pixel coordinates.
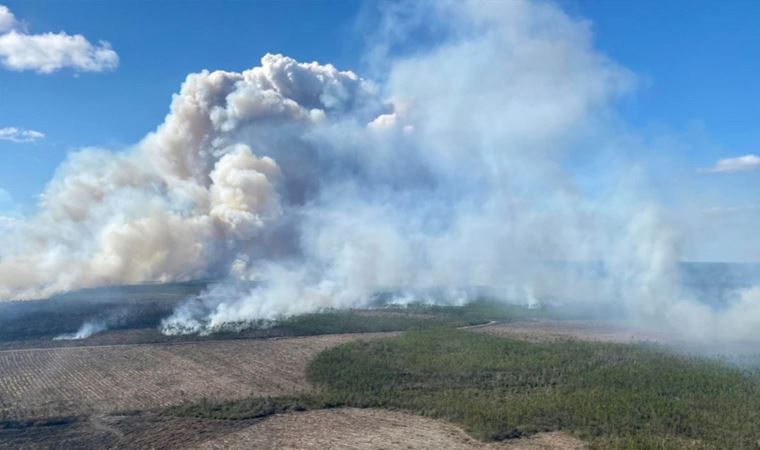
(390, 318)
(338, 322)
(478, 311)
(403, 318)
(248, 408)
(611, 395)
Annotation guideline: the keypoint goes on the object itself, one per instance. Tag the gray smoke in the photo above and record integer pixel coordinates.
(308, 187)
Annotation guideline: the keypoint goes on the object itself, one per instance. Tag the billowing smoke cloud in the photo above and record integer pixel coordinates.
(308, 187)
(202, 194)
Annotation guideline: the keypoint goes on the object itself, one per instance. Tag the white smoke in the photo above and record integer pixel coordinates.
(309, 187)
(86, 330)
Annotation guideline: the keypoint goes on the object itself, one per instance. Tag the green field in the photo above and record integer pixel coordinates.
(611, 395)
(403, 318)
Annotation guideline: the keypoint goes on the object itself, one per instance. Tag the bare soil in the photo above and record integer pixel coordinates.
(369, 429)
(75, 381)
(339, 429)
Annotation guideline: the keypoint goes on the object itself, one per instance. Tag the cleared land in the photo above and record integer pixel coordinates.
(370, 429)
(346, 428)
(54, 382)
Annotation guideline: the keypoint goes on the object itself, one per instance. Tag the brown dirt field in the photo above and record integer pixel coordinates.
(339, 429)
(558, 330)
(369, 429)
(96, 379)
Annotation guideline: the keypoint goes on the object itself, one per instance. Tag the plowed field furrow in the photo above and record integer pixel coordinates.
(82, 380)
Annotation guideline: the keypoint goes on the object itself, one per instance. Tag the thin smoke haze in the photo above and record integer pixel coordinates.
(310, 187)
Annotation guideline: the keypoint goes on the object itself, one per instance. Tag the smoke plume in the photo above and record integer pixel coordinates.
(309, 187)
(86, 330)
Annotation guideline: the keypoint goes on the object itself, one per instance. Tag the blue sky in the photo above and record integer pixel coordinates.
(697, 59)
(697, 100)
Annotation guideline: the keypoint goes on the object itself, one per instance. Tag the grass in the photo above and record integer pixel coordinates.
(338, 322)
(247, 408)
(611, 395)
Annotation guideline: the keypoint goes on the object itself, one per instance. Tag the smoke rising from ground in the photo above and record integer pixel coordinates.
(86, 330)
(309, 187)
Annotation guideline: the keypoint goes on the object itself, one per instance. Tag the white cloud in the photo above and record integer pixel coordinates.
(49, 52)
(19, 135)
(7, 19)
(744, 163)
